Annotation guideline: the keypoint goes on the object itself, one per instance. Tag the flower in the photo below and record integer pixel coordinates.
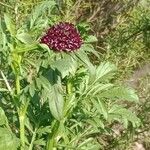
(62, 37)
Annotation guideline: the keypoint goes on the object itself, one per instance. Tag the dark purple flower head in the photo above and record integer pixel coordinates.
(62, 37)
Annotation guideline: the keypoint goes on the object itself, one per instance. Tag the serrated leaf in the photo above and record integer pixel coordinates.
(121, 93)
(126, 114)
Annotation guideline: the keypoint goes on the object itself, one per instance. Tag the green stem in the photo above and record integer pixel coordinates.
(17, 84)
(69, 87)
(21, 113)
(22, 131)
(51, 144)
(21, 116)
(32, 140)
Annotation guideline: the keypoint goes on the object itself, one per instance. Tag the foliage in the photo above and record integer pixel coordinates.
(55, 100)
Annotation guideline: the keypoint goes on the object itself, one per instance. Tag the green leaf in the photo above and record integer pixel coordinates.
(8, 140)
(91, 39)
(3, 90)
(89, 48)
(95, 89)
(101, 107)
(82, 56)
(9, 24)
(40, 142)
(65, 66)
(96, 122)
(25, 38)
(56, 102)
(44, 130)
(32, 89)
(121, 93)
(44, 82)
(104, 69)
(25, 48)
(45, 6)
(125, 114)
(3, 118)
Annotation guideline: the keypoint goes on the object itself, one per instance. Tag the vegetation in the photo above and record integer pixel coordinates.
(92, 96)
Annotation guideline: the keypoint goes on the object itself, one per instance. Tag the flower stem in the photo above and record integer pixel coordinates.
(17, 84)
(21, 115)
(22, 131)
(51, 143)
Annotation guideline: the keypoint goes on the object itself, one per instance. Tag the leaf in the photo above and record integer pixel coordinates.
(56, 102)
(40, 9)
(96, 122)
(95, 89)
(91, 39)
(9, 24)
(126, 115)
(65, 66)
(104, 69)
(44, 82)
(40, 142)
(82, 56)
(85, 142)
(25, 48)
(44, 130)
(25, 38)
(3, 118)
(3, 90)
(89, 48)
(8, 140)
(121, 93)
(100, 106)
(45, 47)
(32, 89)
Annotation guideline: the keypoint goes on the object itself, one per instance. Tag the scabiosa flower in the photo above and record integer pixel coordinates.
(62, 37)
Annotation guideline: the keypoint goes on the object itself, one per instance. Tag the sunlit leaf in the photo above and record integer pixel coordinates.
(25, 38)
(91, 39)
